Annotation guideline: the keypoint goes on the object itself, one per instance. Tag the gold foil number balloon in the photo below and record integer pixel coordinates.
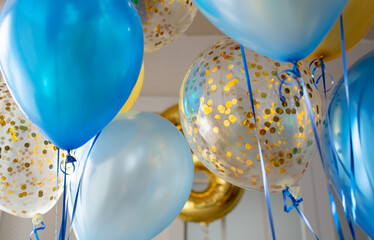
(212, 203)
(217, 117)
(164, 21)
(28, 169)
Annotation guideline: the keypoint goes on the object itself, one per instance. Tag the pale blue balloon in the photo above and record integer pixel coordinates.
(70, 64)
(137, 179)
(285, 30)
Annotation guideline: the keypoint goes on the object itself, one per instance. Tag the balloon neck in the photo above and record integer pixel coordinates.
(37, 219)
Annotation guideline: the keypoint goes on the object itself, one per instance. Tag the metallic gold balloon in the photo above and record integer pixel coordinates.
(217, 117)
(214, 202)
(164, 20)
(218, 199)
(135, 92)
(28, 163)
(358, 17)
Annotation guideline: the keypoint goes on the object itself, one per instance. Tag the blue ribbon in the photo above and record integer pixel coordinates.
(294, 72)
(295, 203)
(264, 178)
(79, 184)
(57, 168)
(335, 155)
(35, 231)
(352, 172)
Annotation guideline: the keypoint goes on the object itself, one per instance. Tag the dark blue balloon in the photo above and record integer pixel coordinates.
(70, 64)
(361, 113)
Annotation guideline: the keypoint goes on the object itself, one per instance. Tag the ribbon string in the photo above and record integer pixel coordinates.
(352, 172)
(295, 204)
(264, 178)
(79, 184)
(35, 230)
(294, 72)
(58, 175)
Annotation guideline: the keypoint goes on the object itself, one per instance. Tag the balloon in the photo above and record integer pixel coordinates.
(212, 203)
(135, 92)
(216, 117)
(358, 17)
(28, 170)
(283, 30)
(164, 21)
(137, 179)
(70, 64)
(361, 114)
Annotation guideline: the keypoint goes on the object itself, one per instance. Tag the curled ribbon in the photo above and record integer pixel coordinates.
(35, 230)
(295, 204)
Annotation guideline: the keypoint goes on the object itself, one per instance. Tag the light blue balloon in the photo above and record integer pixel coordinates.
(361, 113)
(70, 64)
(285, 30)
(137, 179)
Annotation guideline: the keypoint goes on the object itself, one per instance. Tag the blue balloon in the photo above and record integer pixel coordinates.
(361, 113)
(137, 179)
(285, 30)
(70, 64)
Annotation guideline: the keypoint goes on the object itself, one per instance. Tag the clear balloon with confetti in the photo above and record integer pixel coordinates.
(217, 117)
(164, 21)
(28, 163)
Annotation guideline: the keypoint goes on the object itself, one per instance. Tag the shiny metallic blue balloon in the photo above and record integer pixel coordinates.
(137, 179)
(285, 30)
(70, 64)
(361, 113)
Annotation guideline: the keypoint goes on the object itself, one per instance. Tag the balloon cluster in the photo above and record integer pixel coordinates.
(72, 65)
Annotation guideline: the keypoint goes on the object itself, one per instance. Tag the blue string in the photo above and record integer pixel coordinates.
(72, 160)
(35, 231)
(64, 209)
(57, 168)
(79, 184)
(295, 204)
(352, 172)
(335, 155)
(294, 72)
(264, 178)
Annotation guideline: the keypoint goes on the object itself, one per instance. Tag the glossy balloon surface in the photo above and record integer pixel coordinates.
(137, 179)
(361, 114)
(70, 64)
(287, 30)
(134, 93)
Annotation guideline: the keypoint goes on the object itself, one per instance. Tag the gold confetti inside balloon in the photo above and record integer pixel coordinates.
(28, 169)
(212, 203)
(164, 21)
(217, 118)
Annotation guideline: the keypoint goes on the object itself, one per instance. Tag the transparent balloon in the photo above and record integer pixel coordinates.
(217, 117)
(28, 169)
(164, 21)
